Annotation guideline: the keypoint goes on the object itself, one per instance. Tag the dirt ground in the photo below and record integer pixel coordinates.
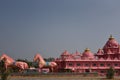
(49, 77)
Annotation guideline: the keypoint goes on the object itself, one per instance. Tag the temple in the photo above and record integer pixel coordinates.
(100, 62)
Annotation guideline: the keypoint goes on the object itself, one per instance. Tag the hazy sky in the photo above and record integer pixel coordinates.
(52, 26)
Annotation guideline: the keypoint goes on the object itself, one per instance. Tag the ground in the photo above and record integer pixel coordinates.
(59, 77)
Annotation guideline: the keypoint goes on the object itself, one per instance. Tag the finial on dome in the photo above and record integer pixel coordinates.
(111, 37)
(87, 49)
(99, 49)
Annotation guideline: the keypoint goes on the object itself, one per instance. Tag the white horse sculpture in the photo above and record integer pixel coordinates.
(42, 64)
(9, 62)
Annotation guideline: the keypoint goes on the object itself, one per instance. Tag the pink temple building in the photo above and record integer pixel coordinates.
(100, 62)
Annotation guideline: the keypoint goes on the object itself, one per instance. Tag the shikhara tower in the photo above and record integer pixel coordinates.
(100, 62)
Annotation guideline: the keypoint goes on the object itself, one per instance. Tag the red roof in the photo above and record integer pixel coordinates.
(100, 52)
(111, 43)
(87, 53)
(65, 53)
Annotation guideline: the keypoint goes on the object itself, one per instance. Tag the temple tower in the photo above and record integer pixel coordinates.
(111, 49)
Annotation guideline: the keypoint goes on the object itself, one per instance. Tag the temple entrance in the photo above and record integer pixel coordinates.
(87, 70)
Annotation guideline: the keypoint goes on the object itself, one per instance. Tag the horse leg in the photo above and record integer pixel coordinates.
(6, 66)
(51, 69)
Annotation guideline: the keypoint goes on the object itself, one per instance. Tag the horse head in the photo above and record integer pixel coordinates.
(6, 58)
(38, 58)
(35, 59)
(3, 57)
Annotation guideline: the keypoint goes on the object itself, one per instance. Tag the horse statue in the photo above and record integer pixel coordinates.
(42, 64)
(9, 62)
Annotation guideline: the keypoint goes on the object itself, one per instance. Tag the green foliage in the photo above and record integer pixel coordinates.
(4, 75)
(22, 60)
(30, 64)
(68, 70)
(65, 70)
(110, 73)
(14, 69)
(90, 74)
(4, 72)
(35, 64)
(49, 59)
(2, 66)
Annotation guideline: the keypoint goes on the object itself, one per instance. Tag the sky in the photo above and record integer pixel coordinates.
(49, 27)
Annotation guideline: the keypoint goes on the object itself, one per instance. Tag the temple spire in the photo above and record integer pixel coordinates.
(87, 49)
(111, 37)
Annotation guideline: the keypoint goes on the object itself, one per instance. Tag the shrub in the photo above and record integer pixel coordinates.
(4, 72)
(110, 73)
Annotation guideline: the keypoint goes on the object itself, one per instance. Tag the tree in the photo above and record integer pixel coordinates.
(4, 72)
(110, 73)
(22, 60)
(49, 59)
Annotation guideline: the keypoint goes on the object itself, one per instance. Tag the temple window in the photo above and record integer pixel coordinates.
(94, 64)
(101, 64)
(70, 64)
(86, 65)
(116, 64)
(108, 65)
(78, 64)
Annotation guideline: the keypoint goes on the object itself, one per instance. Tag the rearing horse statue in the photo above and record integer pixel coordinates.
(9, 62)
(38, 58)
